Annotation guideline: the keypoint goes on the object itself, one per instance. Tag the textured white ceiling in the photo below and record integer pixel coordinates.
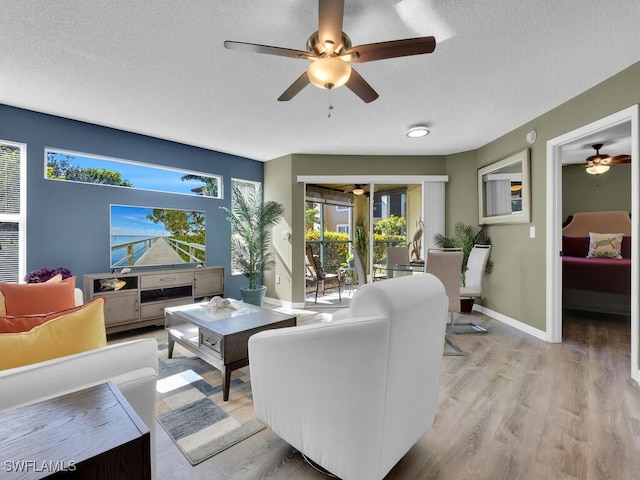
(159, 68)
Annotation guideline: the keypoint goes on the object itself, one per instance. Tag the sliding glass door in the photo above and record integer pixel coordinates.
(391, 213)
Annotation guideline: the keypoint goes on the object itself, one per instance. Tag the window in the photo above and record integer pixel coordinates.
(389, 203)
(13, 218)
(245, 187)
(341, 208)
(342, 228)
(85, 168)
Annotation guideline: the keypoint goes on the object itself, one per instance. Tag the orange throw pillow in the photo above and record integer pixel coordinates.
(24, 323)
(78, 331)
(36, 298)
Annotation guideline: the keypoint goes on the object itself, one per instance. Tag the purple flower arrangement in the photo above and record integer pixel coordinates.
(43, 274)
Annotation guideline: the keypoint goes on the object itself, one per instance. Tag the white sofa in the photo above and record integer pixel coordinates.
(131, 366)
(355, 394)
(78, 296)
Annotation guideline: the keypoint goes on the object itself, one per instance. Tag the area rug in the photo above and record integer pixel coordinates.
(190, 408)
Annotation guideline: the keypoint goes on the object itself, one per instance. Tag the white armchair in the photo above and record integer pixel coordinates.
(355, 394)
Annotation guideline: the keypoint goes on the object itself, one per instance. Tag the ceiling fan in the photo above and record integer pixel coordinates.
(601, 162)
(330, 52)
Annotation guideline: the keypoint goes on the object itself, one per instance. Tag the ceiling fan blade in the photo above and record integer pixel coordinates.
(361, 88)
(295, 88)
(620, 159)
(392, 49)
(330, 15)
(255, 48)
(603, 159)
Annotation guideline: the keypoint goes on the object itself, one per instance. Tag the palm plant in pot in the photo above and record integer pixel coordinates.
(251, 223)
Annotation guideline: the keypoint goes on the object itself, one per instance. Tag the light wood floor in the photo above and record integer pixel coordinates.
(514, 407)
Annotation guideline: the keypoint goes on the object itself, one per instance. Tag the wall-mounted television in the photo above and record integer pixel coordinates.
(148, 236)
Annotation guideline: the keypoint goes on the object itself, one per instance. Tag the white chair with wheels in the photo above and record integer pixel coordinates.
(474, 277)
(446, 264)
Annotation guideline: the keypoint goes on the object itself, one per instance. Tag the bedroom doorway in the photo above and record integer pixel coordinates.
(558, 153)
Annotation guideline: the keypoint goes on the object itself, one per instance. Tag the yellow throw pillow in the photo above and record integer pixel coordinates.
(605, 245)
(37, 298)
(70, 333)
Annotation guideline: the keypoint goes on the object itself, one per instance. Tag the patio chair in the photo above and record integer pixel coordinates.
(316, 270)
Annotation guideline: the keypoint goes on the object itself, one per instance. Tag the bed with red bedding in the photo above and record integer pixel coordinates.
(597, 284)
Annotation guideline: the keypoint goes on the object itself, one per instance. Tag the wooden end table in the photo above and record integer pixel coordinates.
(221, 338)
(91, 434)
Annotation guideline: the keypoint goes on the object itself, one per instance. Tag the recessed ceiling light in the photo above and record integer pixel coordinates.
(417, 132)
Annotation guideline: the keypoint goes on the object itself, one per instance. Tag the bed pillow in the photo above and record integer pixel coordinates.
(575, 246)
(67, 334)
(605, 245)
(37, 298)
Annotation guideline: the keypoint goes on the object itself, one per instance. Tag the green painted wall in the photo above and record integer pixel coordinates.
(277, 187)
(461, 192)
(582, 192)
(367, 165)
(516, 287)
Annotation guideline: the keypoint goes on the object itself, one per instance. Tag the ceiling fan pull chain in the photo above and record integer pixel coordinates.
(330, 104)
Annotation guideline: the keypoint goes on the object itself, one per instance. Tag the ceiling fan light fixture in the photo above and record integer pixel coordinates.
(329, 72)
(418, 131)
(358, 190)
(598, 169)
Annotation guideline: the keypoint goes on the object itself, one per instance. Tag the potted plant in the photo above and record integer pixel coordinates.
(45, 274)
(251, 223)
(465, 238)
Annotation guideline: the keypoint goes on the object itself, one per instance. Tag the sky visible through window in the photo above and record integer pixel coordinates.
(74, 167)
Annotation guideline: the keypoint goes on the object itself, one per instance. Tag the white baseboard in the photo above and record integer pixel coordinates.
(523, 327)
(281, 303)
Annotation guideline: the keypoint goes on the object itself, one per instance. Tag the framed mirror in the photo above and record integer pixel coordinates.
(504, 190)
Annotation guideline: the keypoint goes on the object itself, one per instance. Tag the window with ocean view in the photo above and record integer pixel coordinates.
(95, 169)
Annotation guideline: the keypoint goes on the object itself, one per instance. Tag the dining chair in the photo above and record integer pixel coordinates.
(474, 280)
(446, 265)
(397, 257)
(362, 274)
